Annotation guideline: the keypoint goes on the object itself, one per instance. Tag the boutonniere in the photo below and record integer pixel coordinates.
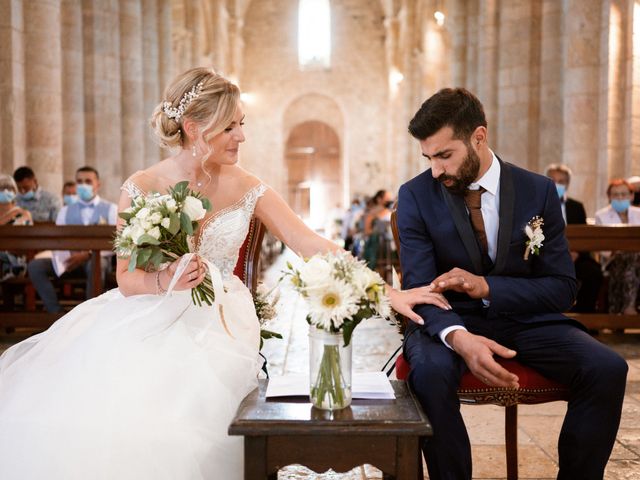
(533, 229)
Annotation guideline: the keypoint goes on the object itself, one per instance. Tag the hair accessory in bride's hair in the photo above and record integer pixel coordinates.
(186, 99)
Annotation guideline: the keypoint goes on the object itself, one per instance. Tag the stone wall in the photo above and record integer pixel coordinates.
(559, 80)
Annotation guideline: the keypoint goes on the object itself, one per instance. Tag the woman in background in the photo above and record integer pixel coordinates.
(623, 267)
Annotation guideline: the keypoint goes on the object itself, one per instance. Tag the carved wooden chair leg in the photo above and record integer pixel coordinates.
(511, 440)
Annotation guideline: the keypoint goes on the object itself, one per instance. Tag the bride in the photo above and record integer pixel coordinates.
(139, 383)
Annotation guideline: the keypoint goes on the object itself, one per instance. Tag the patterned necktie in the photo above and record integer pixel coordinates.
(473, 200)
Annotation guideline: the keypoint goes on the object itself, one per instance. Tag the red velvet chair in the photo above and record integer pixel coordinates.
(248, 268)
(534, 388)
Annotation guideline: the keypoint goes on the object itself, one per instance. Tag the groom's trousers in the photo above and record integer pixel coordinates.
(561, 351)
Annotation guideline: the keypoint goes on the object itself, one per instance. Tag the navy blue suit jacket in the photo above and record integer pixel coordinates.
(436, 236)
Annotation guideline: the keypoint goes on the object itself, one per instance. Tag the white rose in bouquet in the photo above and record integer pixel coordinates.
(193, 208)
(316, 272)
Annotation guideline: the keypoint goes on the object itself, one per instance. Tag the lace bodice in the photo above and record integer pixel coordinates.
(221, 235)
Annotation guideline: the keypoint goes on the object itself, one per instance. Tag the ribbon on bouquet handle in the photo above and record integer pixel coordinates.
(216, 285)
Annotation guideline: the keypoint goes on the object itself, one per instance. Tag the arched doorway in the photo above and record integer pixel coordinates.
(314, 186)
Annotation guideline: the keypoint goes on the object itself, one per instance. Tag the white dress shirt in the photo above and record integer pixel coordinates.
(490, 207)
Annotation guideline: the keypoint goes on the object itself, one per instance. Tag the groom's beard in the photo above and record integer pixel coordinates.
(467, 173)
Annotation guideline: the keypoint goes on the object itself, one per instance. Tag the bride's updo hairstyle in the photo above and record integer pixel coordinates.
(200, 95)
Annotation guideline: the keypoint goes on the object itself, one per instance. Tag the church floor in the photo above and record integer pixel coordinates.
(538, 425)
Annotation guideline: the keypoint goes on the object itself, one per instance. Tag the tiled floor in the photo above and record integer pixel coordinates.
(539, 425)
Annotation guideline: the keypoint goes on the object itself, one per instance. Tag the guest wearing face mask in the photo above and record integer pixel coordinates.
(623, 267)
(44, 206)
(588, 271)
(11, 214)
(90, 209)
(69, 194)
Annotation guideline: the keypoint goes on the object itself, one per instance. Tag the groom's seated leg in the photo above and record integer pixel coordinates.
(596, 377)
(435, 375)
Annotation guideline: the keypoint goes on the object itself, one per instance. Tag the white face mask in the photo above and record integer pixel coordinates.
(7, 196)
(85, 192)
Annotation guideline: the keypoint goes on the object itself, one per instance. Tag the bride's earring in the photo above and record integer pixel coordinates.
(193, 150)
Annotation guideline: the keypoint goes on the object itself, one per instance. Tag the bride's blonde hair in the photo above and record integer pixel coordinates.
(201, 95)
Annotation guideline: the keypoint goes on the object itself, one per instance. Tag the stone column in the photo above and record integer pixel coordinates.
(103, 112)
(43, 62)
(12, 108)
(472, 18)
(150, 72)
(551, 81)
(633, 88)
(165, 33)
(612, 149)
(73, 133)
(487, 68)
(132, 98)
(518, 83)
(581, 53)
(458, 29)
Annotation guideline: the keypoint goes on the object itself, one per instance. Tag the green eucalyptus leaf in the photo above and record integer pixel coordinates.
(147, 239)
(185, 223)
(174, 224)
(132, 260)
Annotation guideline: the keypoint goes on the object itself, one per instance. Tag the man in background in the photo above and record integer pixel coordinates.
(90, 209)
(42, 205)
(588, 271)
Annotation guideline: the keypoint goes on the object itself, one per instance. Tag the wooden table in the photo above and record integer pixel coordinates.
(383, 433)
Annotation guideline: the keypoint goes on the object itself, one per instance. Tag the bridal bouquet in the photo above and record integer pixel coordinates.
(157, 230)
(340, 292)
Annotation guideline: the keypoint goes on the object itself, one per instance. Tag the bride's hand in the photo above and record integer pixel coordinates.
(403, 301)
(192, 276)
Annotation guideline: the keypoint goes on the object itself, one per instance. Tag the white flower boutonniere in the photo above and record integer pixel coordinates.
(533, 230)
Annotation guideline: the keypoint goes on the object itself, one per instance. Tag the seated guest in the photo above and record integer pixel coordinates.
(588, 271)
(43, 205)
(90, 209)
(69, 195)
(11, 214)
(623, 267)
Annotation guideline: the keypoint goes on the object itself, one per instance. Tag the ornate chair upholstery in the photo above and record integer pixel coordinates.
(247, 268)
(534, 388)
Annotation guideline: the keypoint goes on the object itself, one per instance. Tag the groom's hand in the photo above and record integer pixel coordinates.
(477, 352)
(460, 280)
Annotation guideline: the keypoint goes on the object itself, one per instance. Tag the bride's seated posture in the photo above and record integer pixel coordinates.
(140, 383)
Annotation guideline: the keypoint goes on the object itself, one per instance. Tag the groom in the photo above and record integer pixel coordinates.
(462, 230)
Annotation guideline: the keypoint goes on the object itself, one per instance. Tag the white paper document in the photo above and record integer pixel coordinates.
(368, 385)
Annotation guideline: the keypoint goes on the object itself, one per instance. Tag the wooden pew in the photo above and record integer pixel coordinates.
(30, 239)
(597, 238)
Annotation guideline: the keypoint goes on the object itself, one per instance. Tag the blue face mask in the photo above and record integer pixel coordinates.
(85, 192)
(69, 199)
(561, 190)
(30, 195)
(7, 196)
(620, 205)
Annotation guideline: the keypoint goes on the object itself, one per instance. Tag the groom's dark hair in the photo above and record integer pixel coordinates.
(457, 108)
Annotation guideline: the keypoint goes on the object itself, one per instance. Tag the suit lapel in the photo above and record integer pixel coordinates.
(456, 206)
(507, 201)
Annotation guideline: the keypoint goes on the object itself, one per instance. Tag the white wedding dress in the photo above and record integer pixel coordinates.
(138, 387)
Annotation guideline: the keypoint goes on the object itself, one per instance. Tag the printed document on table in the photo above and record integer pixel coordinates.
(366, 385)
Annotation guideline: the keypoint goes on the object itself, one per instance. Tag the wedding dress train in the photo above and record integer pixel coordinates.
(138, 387)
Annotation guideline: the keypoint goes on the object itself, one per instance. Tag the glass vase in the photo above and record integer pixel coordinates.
(329, 370)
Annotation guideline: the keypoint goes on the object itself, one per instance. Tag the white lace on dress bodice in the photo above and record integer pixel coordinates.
(222, 234)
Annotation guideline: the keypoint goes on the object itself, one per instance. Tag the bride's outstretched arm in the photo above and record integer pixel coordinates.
(280, 220)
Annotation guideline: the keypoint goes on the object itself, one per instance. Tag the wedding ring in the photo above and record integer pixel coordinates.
(485, 380)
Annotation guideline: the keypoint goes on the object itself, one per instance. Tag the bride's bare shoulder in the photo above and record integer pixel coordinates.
(156, 178)
(241, 179)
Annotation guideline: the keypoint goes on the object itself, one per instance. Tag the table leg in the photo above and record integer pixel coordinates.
(255, 458)
(408, 458)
